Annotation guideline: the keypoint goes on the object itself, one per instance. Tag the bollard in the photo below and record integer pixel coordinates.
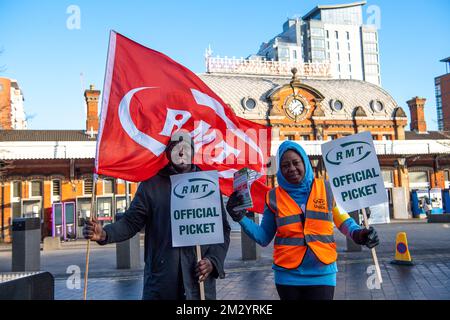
(128, 252)
(250, 250)
(26, 244)
(27, 286)
(351, 245)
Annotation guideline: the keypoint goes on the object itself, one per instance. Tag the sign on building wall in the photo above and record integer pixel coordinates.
(195, 209)
(354, 172)
(436, 201)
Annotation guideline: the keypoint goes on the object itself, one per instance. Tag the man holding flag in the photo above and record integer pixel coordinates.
(169, 272)
(147, 99)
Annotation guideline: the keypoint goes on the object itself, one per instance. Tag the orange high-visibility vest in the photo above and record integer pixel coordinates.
(293, 237)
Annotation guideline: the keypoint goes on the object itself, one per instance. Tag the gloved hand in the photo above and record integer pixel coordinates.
(366, 237)
(234, 201)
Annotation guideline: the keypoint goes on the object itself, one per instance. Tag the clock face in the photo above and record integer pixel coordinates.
(296, 107)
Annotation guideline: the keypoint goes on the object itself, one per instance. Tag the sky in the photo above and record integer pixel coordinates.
(47, 57)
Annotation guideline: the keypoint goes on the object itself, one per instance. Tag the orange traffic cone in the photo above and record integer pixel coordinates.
(402, 255)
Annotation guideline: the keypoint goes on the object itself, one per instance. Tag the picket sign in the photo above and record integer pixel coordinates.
(196, 211)
(355, 176)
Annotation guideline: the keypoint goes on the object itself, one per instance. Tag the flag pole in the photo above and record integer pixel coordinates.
(374, 254)
(92, 215)
(202, 283)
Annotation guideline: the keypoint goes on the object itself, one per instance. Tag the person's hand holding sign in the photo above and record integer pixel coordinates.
(234, 201)
(366, 237)
(203, 269)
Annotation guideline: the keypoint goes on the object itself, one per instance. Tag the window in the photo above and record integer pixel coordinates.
(332, 136)
(87, 187)
(387, 137)
(16, 210)
(121, 205)
(17, 189)
(104, 207)
(36, 188)
(16, 199)
(284, 53)
(387, 176)
(349, 68)
(305, 138)
(371, 69)
(294, 53)
(348, 46)
(369, 37)
(338, 57)
(328, 45)
(336, 34)
(349, 57)
(108, 186)
(371, 58)
(370, 47)
(339, 67)
(290, 137)
(377, 106)
(318, 55)
(56, 191)
(250, 103)
(418, 176)
(337, 105)
(318, 43)
(317, 32)
(447, 175)
(337, 45)
(328, 34)
(348, 35)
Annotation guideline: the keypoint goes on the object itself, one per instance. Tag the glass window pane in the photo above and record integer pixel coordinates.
(318, 54)
(109, 186)
(418, 176)
(58, 213)
(120, 205)
(318, 43)
(447, 175)
(56, 187)
(17, 189)
(387, 176)
(36, 189)
(16, 212)
(318, 32)
(88, 186)
(69, 213)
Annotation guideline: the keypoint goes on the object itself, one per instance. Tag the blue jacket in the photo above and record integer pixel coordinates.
(311, 271)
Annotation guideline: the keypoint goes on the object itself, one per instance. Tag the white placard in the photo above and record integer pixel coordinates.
(354, 172)
(195, 209)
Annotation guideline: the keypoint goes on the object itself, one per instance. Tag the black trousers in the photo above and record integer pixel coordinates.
(305, 292)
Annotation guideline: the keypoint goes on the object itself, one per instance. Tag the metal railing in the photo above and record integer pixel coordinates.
(267, 67)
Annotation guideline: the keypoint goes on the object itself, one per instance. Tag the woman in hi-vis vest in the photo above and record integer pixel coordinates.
(300, 213)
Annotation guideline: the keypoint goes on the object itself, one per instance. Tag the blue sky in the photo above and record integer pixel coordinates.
(47, 58)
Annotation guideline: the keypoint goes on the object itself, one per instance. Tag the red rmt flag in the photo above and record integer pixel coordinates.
(147, 97)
